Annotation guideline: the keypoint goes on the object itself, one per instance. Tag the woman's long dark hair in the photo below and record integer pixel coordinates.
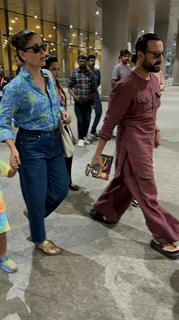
(48, 62)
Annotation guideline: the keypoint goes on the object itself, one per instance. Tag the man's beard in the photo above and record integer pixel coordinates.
(126, 62)
(151, 67)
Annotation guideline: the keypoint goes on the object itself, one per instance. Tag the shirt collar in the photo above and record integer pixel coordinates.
(25, 74)
(86, 71)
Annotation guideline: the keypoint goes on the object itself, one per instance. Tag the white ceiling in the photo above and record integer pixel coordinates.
(81, 13)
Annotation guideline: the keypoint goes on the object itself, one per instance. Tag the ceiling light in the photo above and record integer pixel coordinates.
(71, 26)
(54, 27)
(16, 18)
(52, 44)
(81, 33)
(97, 12)
(10, 28)
(13, 21)
(37, 27)
(96, 33)
(73, 34)
(35, 17)
(50, 36)
(44, 39)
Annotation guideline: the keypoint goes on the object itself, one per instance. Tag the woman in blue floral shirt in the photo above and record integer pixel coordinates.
(31, 100)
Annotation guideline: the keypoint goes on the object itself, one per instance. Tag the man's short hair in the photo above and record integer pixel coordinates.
(82, 57)
(142, 42)
(124, 52)
(91, 56)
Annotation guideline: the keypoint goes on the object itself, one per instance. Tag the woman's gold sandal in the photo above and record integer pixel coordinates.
(48, 247)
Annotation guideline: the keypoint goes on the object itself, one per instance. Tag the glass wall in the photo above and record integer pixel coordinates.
(65, 42)
(2, 22)
(16, 22)
(12, 5)
(3, 43)
(34, 24)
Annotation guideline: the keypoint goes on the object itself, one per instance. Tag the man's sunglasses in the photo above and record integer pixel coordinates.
(36, 48)
(156, 54)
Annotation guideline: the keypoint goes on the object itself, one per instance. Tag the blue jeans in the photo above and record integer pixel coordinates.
(43, 176)
(98, 112)
(83, 114)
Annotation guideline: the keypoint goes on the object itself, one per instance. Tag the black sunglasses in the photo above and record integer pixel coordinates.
(36, 48)
(156, 54)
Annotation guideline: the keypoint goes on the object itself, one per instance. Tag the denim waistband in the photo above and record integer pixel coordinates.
(37, 132)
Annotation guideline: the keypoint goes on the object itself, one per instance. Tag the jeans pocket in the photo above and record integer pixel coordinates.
(29, 139)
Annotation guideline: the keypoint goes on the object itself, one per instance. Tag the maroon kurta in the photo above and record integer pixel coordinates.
(133, 106)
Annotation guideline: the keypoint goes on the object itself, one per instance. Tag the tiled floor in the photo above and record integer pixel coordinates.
(105, 273)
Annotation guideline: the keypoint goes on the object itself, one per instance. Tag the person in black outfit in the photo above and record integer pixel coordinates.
(52, 65)
(82, 87)
(98, 105)
(18, 64)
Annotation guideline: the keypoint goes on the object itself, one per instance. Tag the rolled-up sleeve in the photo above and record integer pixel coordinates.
(119, 103)
(7, 110)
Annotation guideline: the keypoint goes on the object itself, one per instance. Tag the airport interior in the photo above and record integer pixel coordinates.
(105, 272)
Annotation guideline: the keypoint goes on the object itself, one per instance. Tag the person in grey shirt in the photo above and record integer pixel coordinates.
(122, 68)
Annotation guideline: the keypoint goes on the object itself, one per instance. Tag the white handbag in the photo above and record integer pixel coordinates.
(67, 141)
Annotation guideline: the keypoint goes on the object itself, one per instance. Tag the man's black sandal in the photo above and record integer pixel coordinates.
(160, 248)
(98, 217)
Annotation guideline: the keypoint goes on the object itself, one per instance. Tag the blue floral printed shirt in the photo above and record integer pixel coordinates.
(28, 105)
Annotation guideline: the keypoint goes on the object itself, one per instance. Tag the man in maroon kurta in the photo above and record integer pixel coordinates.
(133, 106)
